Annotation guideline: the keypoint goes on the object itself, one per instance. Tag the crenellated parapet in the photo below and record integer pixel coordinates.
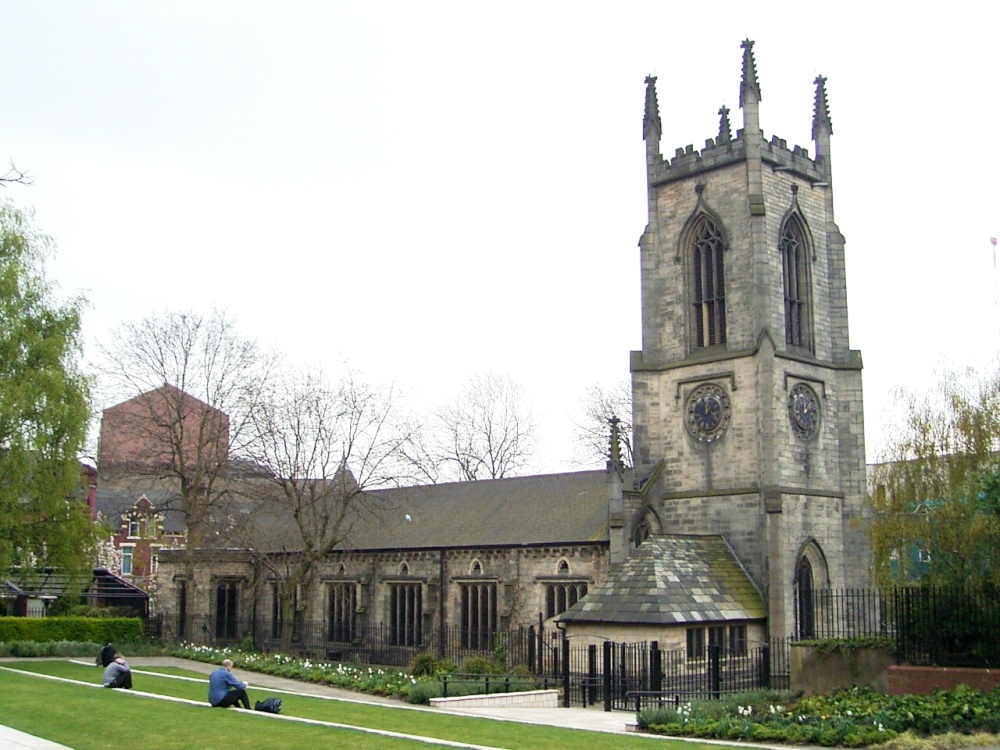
(774, 153)
(724, 150)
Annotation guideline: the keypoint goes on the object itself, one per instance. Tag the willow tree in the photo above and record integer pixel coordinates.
(934, 494)
(44, 410)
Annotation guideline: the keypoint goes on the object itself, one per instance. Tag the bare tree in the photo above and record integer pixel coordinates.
(192, 381)
(599, 406)
(16, 176)
(322, 446)
(487, 432)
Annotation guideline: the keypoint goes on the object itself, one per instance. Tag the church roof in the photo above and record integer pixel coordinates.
(546, 509)
(670, 580)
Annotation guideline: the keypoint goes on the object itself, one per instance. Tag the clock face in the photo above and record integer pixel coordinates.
(707, 413)
(803, 411)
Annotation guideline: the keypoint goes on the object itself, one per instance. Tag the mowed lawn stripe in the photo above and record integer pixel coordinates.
(93, 719)
(403, 719)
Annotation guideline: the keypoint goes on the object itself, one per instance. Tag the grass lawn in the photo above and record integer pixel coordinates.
(93, 719)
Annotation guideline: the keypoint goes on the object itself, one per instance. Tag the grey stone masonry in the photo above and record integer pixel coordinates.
(777, 467)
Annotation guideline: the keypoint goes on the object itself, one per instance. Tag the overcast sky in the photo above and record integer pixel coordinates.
(430, 190)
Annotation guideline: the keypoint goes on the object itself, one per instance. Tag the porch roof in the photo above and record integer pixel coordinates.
(673, 579)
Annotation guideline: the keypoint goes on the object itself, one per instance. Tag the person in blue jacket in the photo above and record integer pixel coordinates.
(224, 690)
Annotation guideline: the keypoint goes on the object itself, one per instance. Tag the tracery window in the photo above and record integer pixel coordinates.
(406, 612)
(561, 596)
(708, 287)
(804, 593)
(479, 614)
(795, 269)
(342, 602)
(226, 601)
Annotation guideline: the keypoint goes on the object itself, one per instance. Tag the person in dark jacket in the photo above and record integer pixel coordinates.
(107, 655)
(117, 674)
(224, 690)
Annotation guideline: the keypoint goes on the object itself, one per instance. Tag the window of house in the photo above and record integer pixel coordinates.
(226, 608)
(795, 268)
(561, 596)
(479, 614)
(708, 288)
(695, 643)
(717, 637)
(738, 640)
(154, 559)
(133, 528)
(342, 603)
(128, 554)
(925, 555)
(406, 613)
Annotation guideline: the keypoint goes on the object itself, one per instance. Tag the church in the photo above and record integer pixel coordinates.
(747, 492)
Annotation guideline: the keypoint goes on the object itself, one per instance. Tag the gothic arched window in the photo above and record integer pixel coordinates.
(708, 287)
(804, 596)
(795, 271)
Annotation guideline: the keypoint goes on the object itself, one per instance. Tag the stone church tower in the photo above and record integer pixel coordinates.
(747, 403)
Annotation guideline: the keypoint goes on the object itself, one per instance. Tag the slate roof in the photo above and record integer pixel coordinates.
(53, 583)
(547, 509)
(670, 580)
(115, 496)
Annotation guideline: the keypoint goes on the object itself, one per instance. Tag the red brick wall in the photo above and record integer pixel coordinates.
(139, 432)
(924, 680)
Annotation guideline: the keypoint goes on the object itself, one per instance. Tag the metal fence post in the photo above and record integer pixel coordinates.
(565, 667)
(608, 675)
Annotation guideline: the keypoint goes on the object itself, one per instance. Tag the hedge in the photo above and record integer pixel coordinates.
(91, 629)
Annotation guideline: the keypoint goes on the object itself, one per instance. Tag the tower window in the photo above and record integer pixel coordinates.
(708, 296)
(795, 267)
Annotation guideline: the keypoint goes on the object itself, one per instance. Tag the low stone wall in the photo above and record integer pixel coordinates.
(528, 699)
(814, 672)
(924, 680)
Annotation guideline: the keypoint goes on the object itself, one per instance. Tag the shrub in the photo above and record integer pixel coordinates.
(481, 665)
(428, 665)
(422, 692)
(89, 629)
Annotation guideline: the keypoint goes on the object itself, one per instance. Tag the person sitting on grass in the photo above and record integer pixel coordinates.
(117, 674)
(224, 690)
(107, 655)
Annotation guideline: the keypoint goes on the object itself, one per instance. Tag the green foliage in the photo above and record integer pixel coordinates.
(850, 718)
(364, 679)
(936, 488)
(92, 630)
(64, 607)
(825, 646)
(428, 665)
(482, 665)
(422, 692)
(44, 410)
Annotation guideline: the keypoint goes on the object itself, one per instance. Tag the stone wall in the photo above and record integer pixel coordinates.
(814, 672)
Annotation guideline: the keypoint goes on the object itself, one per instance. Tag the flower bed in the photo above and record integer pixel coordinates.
(371, 680)
(851, 718)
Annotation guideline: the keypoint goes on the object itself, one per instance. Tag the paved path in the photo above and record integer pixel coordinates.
(593, 719)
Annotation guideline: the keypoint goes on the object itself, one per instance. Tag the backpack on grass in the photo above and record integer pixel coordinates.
(268, 705)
